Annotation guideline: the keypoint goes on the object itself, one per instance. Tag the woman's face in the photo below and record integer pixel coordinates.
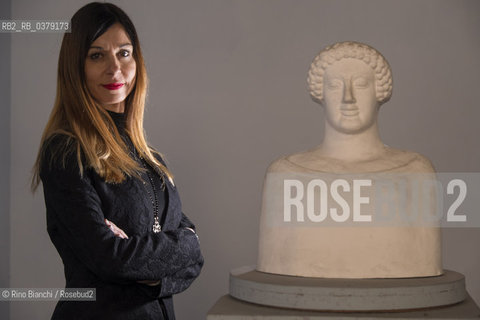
(110, 68)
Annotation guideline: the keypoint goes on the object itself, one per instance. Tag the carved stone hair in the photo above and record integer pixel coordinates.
(356, 50)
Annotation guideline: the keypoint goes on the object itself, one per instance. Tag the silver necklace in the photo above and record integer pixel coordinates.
(156, 223)
(156, 228)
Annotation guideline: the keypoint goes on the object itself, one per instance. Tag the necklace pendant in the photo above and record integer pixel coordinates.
(156, 225)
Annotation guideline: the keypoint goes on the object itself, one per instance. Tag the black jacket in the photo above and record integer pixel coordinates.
(94, 257)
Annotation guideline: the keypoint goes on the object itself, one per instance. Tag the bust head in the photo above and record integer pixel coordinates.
(350, 50)
(350, 80)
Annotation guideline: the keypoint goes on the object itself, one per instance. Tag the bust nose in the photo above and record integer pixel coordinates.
(348, 96)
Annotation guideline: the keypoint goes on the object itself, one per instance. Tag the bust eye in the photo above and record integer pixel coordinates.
(360, 82)
(334, 84)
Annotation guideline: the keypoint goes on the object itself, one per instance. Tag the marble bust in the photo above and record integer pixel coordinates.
(350, 81)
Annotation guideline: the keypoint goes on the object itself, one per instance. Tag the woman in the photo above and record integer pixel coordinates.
(113, 212)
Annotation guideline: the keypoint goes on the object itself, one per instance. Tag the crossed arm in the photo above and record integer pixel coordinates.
(118, 232)
(169, 260)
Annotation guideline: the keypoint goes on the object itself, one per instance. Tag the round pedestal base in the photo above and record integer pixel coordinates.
(324, 294)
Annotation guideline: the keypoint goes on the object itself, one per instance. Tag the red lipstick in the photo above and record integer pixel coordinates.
(113, 86)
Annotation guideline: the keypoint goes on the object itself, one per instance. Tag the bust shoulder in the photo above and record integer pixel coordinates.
(388, 160)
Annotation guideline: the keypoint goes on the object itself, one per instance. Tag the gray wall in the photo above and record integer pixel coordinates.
(4, 158)
(227, 96)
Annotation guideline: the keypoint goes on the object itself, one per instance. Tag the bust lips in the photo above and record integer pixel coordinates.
(349, 111)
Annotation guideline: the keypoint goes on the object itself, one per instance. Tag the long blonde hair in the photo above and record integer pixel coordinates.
(78, 116)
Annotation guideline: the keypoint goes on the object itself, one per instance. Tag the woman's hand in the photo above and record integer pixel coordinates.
(116, 230)
(151, 283)
(188, 228)
(121, 234)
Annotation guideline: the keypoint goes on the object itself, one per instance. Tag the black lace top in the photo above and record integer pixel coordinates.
(94, 257)
(154, 184)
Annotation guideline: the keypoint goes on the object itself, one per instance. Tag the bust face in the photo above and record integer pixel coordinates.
(349, 96)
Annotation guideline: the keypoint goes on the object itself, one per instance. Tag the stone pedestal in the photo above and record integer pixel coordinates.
(261, 296)
(330, 294)
(228, 308)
